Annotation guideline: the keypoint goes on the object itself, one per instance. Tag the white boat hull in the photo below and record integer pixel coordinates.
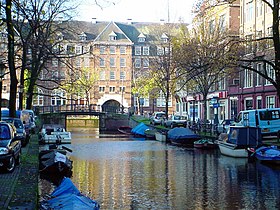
(160, 137)
(231, 150)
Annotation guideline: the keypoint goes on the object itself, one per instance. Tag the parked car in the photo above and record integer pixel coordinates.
(175, 121)
(10, 147)
(21, 134)
(157, 118)
(223, 127)
(32, 120)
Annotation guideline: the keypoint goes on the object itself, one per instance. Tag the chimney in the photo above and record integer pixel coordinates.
(129, 21)
(93, 20)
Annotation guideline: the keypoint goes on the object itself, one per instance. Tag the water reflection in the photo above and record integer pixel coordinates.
(122, 173)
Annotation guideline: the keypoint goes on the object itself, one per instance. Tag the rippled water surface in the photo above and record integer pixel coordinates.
(123, 173)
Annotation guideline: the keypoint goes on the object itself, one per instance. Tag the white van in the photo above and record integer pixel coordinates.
(267, 119)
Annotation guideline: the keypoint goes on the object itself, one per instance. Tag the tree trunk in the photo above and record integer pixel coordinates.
(11, 61)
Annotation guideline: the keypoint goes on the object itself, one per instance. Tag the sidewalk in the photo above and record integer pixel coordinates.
(19, 190)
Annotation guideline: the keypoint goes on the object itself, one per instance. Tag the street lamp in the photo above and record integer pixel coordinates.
(2, 73)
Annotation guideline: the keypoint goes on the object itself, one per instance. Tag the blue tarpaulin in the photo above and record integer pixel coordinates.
(67, 197)
(140, 129)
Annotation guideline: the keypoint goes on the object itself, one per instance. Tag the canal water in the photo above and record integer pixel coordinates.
(134, 173)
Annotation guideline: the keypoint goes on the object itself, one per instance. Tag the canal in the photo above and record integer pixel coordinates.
(131, 173)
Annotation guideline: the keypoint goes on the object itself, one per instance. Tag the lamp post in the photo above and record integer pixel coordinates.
(2, 73)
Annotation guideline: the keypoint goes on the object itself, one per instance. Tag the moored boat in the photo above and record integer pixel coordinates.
(160, 136)
(204, 144)
(51, 133)
(268, 154)
(150, 133)
(239, 139)
(125, 130)
(182, 136)
(139, 130)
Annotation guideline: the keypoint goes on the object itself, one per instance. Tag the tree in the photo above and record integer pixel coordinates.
(204, 55)
(265, 49)
(38, 23)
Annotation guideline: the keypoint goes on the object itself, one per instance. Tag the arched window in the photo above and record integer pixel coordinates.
(58, 97)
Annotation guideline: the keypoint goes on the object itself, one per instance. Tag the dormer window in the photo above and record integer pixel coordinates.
(83, 37)
(164, 38)
(59, 36)
(141, 38)
(112, 36)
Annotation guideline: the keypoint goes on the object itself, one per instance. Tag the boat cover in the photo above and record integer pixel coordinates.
(140, 129)
(268, 153)
(67, 197)
(181, 133)
(245, 136)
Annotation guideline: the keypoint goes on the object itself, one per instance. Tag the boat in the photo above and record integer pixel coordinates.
(268, 154)
(139, 130)
(239, 139)
(204, 144)
(182, 136)
(160, 136)
(66, 196)
(150, 133)
(51, 133)
(125, 130)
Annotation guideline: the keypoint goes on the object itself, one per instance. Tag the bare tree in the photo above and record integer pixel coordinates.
(204, 55)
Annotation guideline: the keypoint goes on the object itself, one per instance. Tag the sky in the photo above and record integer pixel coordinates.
(137, 10)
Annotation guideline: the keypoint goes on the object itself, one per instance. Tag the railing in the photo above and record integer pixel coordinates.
(204, 128)
(65, 108)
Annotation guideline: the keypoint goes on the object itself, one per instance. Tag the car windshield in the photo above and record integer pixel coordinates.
(177, 118)
(4, 132)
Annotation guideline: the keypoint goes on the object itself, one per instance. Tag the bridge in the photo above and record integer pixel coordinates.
(58, 115)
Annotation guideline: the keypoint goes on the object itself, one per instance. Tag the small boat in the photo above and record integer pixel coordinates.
(125, 130)
(182, 136)
(139, 130)
(204, 144)
(160, 136)
(66, 196)
(268, 154)
(238, 140)
(150, 133)
(51, 133)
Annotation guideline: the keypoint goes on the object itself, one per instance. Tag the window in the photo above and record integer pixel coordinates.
(146, 50)
(259, 102)
(112, 75)
(122, 62)
(58, 97)
(248, 103)
(146, 62)
(112, 62)
(122, 89)
(123, 50)
(137, 63)
(78, 49)
(211, 26)
(112, 49)
(39, 100)
(222, 23)
(54, 62)
(258, 77)
(102, 62)
(112, 89)
(248, 78)
(70, 49)
(102, 75)
(249, 43)
(270, 102)
(101, 89)
(160, 51)
(249, 11)
(270, 73)
(102, 50)
(137, 50)
(122, 75)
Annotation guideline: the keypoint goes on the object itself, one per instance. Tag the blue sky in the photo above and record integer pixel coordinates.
(137, 10)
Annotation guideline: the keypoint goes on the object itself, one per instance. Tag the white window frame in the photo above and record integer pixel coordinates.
(270, 101)
(137, 50)
(112, 62)
(112, 75)
(122, 50)
(138, 63)
(122, 62)
(146, 50)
